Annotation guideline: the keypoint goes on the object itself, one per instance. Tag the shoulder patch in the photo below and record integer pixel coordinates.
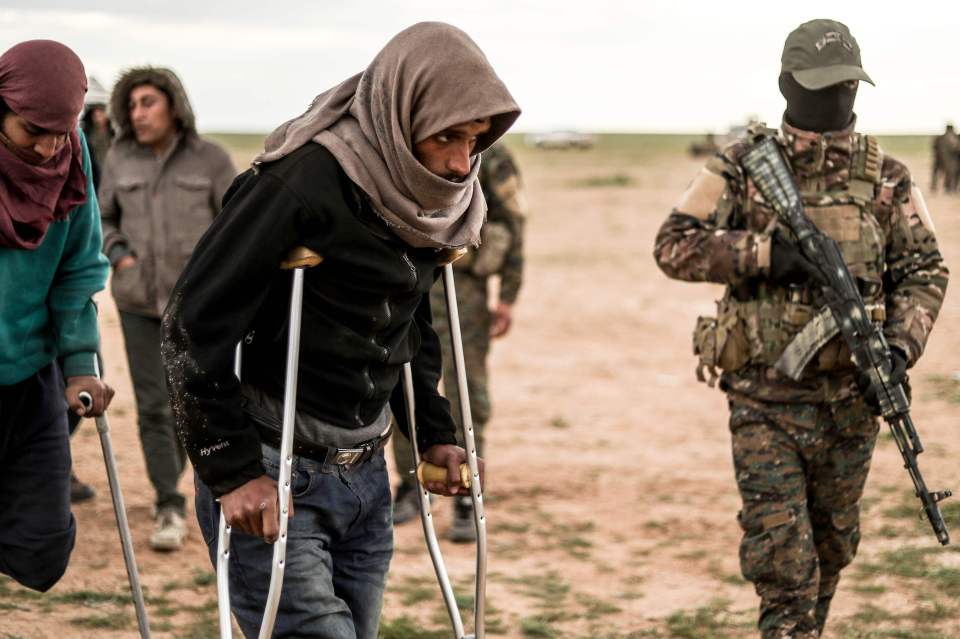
(702, 196)
(915, 210)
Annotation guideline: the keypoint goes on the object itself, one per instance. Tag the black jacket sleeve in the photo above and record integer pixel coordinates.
(212, 307)
(435, 424)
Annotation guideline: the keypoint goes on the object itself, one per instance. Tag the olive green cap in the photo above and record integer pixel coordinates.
(820, 53)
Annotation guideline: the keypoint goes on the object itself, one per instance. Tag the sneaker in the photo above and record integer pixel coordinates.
(170, 531)
(406, 503)
(80, 491)
(463, 530)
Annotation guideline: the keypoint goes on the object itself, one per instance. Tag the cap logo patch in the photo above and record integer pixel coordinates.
(833, 37)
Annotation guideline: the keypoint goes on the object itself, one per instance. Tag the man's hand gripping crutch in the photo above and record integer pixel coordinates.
(437, 478)
(264, 507)
(97, 409)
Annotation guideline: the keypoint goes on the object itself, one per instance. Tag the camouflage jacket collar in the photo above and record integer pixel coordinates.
(826, 154)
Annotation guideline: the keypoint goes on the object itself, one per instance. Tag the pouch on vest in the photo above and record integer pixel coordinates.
(719, 342)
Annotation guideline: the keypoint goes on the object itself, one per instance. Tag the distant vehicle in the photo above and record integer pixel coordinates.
(707, 146)
(712, 143)
(560, 140)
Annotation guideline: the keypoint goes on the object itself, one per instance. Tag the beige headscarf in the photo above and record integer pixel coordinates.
(427, 78)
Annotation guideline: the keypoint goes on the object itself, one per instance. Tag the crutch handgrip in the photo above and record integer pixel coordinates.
(451, 255)
(431, 472)
(300, 257)
(86, 399)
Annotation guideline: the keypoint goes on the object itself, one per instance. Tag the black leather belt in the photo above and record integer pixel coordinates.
(356, 454)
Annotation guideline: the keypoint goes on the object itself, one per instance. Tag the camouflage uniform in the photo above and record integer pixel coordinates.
(946, 160)
(500, 253)
(802, 449)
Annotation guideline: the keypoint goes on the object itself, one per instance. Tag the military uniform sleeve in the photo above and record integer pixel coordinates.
(703, 239)
(214, 302)
(115, 243)
(435, 423)
(916, 276)
(509, 205)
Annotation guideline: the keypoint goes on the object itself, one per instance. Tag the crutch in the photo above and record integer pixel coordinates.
(103, 428)
(469, 473)
(297, 261)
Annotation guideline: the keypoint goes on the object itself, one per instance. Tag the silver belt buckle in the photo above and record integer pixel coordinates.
(348, 456)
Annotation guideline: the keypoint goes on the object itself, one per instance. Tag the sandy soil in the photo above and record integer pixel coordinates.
(611, 498)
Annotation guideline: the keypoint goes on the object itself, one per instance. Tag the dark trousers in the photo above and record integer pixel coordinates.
(162, 450)
(37, 529)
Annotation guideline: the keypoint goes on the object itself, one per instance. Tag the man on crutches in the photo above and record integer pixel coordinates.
(378, 181)
(50, 267)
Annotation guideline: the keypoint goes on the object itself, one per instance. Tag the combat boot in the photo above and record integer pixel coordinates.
(406, 503)
(463, 529)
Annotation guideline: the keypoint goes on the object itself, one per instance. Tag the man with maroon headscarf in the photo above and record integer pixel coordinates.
(50, 267)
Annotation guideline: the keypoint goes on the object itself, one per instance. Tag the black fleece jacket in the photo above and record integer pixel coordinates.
(366, 311)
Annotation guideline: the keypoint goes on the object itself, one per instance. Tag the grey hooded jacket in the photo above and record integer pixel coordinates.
(156, 208)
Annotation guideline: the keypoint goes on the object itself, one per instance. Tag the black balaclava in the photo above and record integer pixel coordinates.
(829, 109)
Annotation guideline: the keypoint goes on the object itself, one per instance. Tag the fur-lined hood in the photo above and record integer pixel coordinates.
(165, 80)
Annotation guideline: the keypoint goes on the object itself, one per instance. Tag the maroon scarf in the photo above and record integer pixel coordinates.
(43, 82)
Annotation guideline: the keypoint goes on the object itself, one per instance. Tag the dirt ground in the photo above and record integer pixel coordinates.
(611, 498)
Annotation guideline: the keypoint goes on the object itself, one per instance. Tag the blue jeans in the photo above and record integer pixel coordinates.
(339, 545)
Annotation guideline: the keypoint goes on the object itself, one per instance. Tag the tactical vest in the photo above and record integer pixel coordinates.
(757, 331)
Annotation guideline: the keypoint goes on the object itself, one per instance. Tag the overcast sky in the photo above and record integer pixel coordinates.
(594, 64)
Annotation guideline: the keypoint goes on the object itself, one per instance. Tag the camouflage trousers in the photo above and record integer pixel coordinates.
(800, 470)
(475, 332)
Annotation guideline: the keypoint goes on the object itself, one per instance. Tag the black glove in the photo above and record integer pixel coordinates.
(788, 265)
(898, 375)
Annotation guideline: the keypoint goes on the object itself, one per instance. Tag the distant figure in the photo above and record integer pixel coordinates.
(500, 254)
(161, 189)
(946, 160)
(96, 126)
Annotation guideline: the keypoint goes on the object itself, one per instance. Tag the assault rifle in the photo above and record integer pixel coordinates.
(844, 313)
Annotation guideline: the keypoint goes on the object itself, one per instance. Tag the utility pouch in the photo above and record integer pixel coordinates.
(705, 348)
(719, 342)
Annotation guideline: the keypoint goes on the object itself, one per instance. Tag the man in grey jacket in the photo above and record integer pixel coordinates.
(161, 187)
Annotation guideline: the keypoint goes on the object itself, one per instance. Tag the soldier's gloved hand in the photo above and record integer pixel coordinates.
(788, 265)
(898, 375)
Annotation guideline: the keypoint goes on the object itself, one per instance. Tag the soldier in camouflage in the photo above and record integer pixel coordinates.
(500, 254)
(802, 450)
(946, 160)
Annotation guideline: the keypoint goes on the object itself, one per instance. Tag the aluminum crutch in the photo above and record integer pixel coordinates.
(126, 543)
(297, 261)
(469, 473)
(223, 545)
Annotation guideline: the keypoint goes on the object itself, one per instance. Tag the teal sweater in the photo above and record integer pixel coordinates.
(46, 308)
